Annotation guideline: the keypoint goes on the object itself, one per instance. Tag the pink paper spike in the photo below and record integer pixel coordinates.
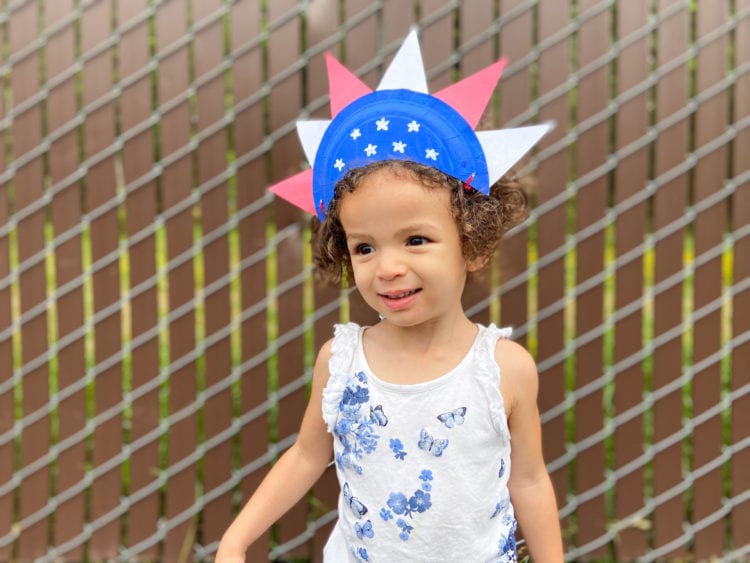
(470, 96)
(297, 190)
(344, 86)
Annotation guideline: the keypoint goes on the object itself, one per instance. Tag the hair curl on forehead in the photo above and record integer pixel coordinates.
(481, 219)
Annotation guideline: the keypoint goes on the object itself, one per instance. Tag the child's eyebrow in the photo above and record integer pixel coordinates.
(357, 236)
(415, 228)
(411, 229)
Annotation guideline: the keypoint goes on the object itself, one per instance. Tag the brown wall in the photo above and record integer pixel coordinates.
(158, 317)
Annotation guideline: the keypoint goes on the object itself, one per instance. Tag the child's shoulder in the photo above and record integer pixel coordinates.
(513, 356)
(326, 351)
(518, 374)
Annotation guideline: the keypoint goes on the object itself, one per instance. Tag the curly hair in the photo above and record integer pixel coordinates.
(481, 219)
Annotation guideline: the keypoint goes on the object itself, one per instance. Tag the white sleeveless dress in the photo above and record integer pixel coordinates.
(423, 468)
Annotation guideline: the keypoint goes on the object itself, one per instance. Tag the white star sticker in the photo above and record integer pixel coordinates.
(371, 149)
(339, 164)
(399, 146)
(382, 124)
(356, 134)
(431, 153)
(413, 126)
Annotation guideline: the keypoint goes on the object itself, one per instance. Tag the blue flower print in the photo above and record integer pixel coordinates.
(420, 501)
(344, 426)
(501, 471)
(355, 427)
(501, 506)
(426, 477)
(507, 552)
(398, 448)
(355, 396)
(398, 503)
(410, 507)
(405, 529)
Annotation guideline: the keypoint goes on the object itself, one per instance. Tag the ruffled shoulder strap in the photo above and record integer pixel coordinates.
(343, 349)
(488, 374)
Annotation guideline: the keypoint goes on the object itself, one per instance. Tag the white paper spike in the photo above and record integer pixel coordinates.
(406, 69)
(505, 147)
(310, 134)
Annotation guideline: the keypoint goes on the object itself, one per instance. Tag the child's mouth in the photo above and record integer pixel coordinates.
(399, 300)
(399, 295)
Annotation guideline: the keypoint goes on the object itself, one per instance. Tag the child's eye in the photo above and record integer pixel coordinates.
(418, 241)
(363, 249)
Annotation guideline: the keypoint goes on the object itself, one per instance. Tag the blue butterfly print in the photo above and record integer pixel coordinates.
(501, 472)
(357, 507)
(453, 418)
(360, 554)
(436, 446)
(378, 416)
(365, 530)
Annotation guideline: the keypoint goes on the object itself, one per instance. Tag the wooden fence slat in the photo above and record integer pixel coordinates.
(668, 206)
(592, 148)
(361, 43)
(397, 16)
(101, 188)
(140, 206)
(515, 98)
(66, 215)
(26, 132)
(553, 68)
(321, 26)
(436, 47)
(630, 177)
(7, 404)
(248, 78)
(740, 420)
(709, 176)
(212, 161)
(176, 187)
(284, 48)
(473, 19)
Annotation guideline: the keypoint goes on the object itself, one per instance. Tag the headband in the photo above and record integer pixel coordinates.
(401, 120)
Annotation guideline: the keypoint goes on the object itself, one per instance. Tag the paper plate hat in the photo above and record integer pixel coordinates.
(401, 120)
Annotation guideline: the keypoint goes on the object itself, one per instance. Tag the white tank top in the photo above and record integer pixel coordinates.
(423, 468)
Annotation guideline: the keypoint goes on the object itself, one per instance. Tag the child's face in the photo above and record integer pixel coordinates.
(405, 249)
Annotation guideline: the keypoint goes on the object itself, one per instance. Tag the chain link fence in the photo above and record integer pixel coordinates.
(158, 313)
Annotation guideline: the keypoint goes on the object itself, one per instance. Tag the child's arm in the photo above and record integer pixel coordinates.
(289, 479)
(530, 487)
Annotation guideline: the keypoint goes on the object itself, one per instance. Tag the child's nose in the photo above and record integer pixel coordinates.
(390, 265)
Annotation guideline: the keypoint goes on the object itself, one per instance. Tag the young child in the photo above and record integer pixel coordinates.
(418, 410)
